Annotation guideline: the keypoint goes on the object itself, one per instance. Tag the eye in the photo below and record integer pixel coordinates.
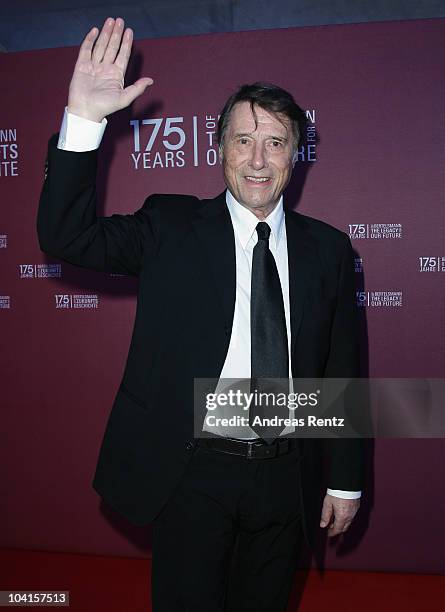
(242, 140)
(276, 144)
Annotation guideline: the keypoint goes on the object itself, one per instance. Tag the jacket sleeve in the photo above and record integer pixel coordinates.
(67, 224)
(345, 455)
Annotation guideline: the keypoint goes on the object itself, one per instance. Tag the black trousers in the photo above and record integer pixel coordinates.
(228, 539)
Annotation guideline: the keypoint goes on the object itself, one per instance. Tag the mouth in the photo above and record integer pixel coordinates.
(259, 180)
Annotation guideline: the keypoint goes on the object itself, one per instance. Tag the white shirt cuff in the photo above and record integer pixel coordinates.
(79, 134)
(344, 494)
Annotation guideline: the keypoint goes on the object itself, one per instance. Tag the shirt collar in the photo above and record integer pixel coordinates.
(244, 221)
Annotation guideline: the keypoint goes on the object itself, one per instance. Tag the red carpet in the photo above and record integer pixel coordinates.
(116, 584)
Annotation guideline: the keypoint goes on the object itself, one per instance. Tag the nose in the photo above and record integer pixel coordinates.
(258, 156)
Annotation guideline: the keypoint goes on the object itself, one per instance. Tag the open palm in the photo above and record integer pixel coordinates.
(97, 86)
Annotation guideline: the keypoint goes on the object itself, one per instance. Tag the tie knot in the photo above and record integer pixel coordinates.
(263, 231)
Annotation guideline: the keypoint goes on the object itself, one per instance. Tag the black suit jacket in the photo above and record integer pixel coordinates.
(183, 251)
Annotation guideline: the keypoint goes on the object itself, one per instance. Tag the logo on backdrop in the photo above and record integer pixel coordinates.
(358, 264)
(40, 270)
(9, 155)
(5, 301)
(72, 301)
(379, 299)
(3, 241)
(376, 231)
(307, 152)
(432, 264)
(160, 142)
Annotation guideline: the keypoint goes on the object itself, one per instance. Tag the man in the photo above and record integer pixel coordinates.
(233, 287)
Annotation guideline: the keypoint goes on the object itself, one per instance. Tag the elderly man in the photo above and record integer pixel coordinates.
(231, 287)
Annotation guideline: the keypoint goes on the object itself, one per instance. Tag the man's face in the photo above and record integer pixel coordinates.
(257, 161)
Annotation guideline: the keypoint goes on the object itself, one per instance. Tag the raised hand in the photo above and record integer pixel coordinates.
(97, 87)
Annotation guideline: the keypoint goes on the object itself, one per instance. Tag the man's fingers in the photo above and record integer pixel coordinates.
(339, 525)
(327, 511)
(87, 45)
(102, 41)
(131, 92)
(326, 515)
(334, 532)
(337, 528)
(125, 50)
(114, 42)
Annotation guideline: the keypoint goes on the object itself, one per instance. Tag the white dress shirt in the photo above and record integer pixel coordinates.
(79, 134)
(238, 359)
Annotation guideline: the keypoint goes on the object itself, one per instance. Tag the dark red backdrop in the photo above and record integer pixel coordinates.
(375, 95)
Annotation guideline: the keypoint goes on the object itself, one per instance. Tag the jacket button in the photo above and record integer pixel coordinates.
(189, 446)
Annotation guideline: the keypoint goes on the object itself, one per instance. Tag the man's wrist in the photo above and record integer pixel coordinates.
(84, 113)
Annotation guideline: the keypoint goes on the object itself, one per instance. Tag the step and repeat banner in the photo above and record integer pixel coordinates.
(372, 165)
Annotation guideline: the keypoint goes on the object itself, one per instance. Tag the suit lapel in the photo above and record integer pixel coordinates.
(214, 231)
(302, 257)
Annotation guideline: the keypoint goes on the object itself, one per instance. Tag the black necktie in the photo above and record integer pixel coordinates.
(269, 349)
